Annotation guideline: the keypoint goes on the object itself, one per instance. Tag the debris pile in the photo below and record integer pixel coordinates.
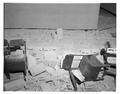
(46, 81)
(47, 75)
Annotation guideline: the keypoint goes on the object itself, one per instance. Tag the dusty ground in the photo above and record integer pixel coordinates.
(42, 45)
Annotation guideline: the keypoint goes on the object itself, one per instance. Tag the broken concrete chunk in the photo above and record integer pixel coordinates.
(34, 67)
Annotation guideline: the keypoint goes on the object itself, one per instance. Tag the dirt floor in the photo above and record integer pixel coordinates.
(43, 46)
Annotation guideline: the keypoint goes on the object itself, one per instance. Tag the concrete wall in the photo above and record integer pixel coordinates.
(111, 7)
(43, 45)
(67, 16)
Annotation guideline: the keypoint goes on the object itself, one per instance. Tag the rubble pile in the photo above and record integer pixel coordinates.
(47, 75)
(50, 77)
(46, 48)
(44, 76)
(48, 82)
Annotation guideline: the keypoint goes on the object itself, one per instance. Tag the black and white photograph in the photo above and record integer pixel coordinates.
(59, 47)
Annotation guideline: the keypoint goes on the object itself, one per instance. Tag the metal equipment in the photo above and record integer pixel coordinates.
(88, 68)
(109, 55)
(16, 60)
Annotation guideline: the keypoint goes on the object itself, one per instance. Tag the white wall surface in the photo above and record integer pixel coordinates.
(67, 16)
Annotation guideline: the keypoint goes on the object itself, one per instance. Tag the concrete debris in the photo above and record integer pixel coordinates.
(109, 83)
(34, 67)
(45, 87)
(36, 54)
(57, 73)
(104, 85)
(53, 79)
(48, 55)
(51, 56)
(47, 75)
(32, 84)
(44, 61)
(50, 70)
(48, 82)
(14, 85)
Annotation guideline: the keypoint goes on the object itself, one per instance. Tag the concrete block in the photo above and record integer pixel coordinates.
(34, 67)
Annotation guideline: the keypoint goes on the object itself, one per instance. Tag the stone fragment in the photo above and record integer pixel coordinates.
(34, 67)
